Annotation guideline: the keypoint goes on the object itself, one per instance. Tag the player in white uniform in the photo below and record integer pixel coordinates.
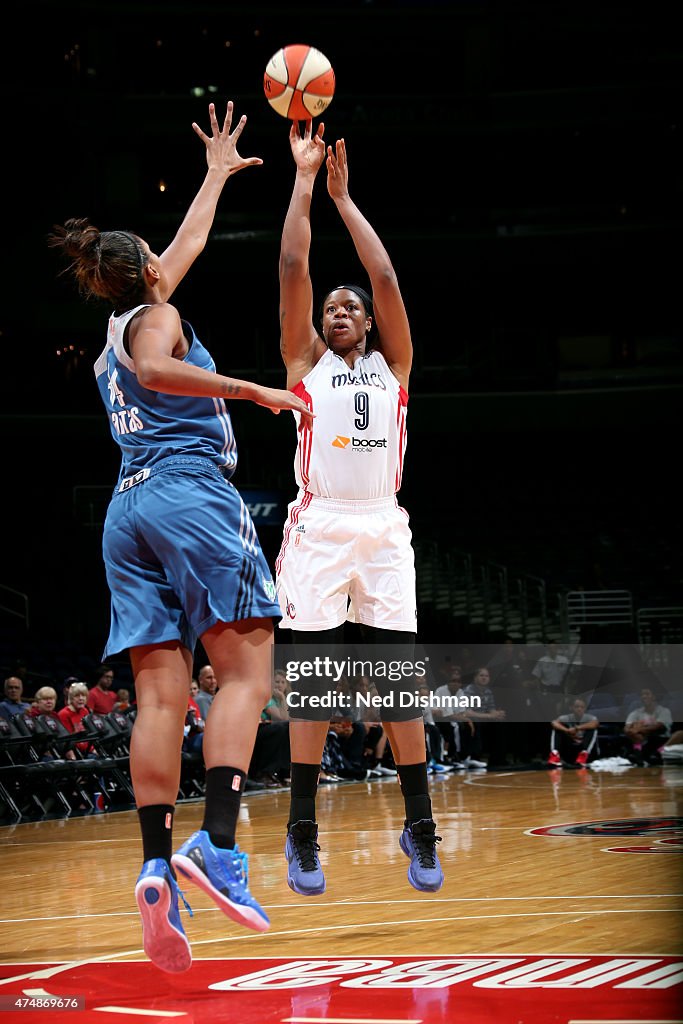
(346, 549)
(349, 464)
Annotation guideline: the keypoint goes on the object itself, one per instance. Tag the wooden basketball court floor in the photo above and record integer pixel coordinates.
(562, 903)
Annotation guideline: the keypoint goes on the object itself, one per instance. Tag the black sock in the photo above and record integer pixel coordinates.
(304, 786)
(415, 789)
(222, 799)
(156, 826)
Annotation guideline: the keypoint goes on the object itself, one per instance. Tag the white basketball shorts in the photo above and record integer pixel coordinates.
(346, 560)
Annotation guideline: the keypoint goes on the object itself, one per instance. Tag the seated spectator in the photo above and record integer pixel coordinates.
(270, 758)
(45, 702)
(335, 764)
(451, 723)
(101, 697)
(484, 716)
(194, 724)
(646, 730)
(208, 684)
(433, 738)
(122, 700)
(277, 710)
(63, 697)
(367, 746)
(13, 704)
(71, 716)
(573, 736)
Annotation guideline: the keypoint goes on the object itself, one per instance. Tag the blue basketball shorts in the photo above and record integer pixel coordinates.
(181, 553)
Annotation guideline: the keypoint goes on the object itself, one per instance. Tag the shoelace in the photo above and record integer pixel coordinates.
(240, 862)
(188, 908)
(425, 846)
(305, 850)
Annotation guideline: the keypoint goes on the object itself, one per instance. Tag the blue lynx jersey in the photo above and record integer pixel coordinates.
(180, 549)
(149, 426)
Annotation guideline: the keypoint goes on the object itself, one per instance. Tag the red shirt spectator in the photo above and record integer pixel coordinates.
(75, 711)
(45, 702)
(101, 698)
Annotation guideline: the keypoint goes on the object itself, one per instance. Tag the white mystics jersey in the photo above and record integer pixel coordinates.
(356, 444)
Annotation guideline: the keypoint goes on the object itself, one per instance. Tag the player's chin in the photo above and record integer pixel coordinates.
(340, 341)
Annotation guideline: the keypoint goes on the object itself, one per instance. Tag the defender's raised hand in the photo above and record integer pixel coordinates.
(221, 145)
(277, 399)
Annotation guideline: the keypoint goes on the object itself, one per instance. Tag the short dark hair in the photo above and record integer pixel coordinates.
(363, 295)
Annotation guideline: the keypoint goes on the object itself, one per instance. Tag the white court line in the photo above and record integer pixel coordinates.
(134, 1012)
(484, 779)
(33, 992)
(68, 842)
(254, 936)
(49, 972)
(631, 1020)
(358, 903)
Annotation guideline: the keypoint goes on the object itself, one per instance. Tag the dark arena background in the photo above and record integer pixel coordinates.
(522, 163)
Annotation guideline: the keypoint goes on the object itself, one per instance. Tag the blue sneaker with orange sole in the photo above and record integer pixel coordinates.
(163, 936)
(222, 875)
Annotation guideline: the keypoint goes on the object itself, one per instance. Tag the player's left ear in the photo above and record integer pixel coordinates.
(152, 274)
(368, 324)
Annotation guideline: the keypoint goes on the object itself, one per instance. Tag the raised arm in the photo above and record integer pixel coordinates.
(222, 160)
(300, 343)
(394, 341)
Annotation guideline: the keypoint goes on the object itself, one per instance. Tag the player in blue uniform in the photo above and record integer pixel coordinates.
(181, 553)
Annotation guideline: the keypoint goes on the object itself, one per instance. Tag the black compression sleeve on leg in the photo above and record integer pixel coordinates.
(224, 787)
(415, 789)
(156, 826)
(304, 786)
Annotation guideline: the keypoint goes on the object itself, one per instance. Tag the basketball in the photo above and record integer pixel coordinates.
(299, 82)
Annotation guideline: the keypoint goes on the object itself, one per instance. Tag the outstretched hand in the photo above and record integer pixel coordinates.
(308, 149)
(276, 399)
(337, 171)
(221, 146)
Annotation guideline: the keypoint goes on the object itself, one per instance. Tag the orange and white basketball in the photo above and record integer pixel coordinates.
(299, 82)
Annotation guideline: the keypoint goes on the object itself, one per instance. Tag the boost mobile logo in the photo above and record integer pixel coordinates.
(359, 443)
(366, 443)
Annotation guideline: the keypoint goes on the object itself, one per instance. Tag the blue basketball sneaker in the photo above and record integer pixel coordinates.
(418, 841)
(222, 875)
(304, 873)
(163, 936)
